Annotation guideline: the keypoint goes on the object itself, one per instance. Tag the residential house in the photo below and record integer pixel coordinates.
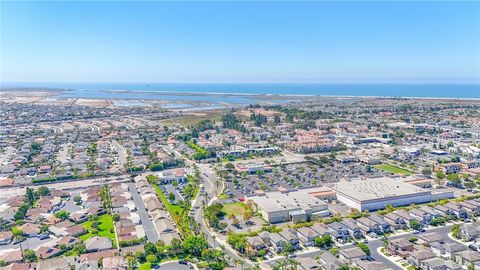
(467, 257)
(369, 265)
(384, 226)
(472, 208)
(349, 254)
(291, 236)
(307, 236)
(453, 167)
(76, 230)
(457, 209)
(98, 243)
(30, 229)
(254, 244)
(67, 241)
(6, 237)
(397, 222)
(114, 263)
(79, 216)
(444, 211)
(352, 227)
(470, 231)
(339, 232)
(405, 215)
(320, 228)
(400, 247)
(369, 226)
(421, 215)
(447, 250)
(431, 237)
(277, 241)
(307, 263)
(12, 256)
(439, 264)
(418, 256)
(168, 176)
(329, 262)
(44, 252)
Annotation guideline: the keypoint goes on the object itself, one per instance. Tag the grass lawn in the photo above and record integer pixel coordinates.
(145, 266)
(392, 169)
(105, 228)
(223, 196)
(236, 209)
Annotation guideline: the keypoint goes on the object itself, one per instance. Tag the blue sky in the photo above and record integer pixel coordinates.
(240, 41)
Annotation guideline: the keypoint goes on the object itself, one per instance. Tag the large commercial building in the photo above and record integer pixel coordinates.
(376, 193)
(296, 205)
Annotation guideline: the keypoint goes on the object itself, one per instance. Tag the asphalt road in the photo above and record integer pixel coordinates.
(173, 266)
(150, 231)
(208, 180)
(375, 244)
(121, 154)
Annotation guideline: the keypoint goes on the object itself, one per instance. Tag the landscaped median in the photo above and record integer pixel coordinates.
(178, 213)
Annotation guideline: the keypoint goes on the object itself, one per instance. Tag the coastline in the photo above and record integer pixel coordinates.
(10, 90)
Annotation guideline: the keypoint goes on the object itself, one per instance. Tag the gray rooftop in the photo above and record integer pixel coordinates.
(292, 200)
(376, 188)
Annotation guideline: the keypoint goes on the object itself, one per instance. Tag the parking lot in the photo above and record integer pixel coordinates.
(291, 176)
(177, 191)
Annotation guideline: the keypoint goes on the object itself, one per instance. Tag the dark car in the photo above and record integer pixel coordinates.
(472, 247)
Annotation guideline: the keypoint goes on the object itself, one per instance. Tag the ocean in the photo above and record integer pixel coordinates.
(194, 92)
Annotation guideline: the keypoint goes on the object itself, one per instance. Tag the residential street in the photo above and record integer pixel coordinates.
(148, 226)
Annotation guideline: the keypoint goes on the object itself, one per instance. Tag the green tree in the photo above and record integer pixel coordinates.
(440, 175)
(171, 197)
(334, 251)
(131, 262)
(438, 221)
(152, 258)
(80, 248)
(456, 231)
(29, 255)
(77, 199)
(455, 179)
(29, 196)
(237, 241)
(229, 166)
(43, 191)
(17, 232)
(323, 241)
(195, 244)
(426, 171)
(62, 214)
(415, 224)
(364, 248)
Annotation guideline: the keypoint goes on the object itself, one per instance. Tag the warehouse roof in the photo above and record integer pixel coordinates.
(376, 188)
